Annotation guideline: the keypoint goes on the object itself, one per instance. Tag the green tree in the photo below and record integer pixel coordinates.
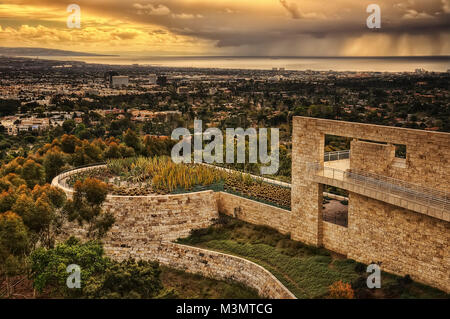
(53, 164)
(131, 139)
(32, 173)
(68, 126)
(49, 266)
(86, 207)
(126, 280)
(13, 246)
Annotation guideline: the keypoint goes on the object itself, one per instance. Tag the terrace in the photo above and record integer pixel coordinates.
(336, 172)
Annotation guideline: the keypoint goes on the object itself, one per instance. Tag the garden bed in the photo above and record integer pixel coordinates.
(160, 176)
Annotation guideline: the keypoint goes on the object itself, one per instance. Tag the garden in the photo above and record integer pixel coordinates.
(308, 272)
(139, 176)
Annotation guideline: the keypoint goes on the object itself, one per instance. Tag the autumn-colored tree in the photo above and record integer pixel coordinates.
(32, 173)
(68, 143)
(40, 211)
(86, 207)
(87, 153)
(54, 162)
(13, 246)
(341, 290)
(113, 151)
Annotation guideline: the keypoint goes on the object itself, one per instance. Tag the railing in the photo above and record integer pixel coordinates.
(63, 175)
(422, 195)
(336, 156)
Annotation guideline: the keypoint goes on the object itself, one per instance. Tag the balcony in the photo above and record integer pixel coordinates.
(420, 199)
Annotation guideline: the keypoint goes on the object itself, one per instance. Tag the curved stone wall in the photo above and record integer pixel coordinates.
(146, 225)
(141, 219)
(210, 264)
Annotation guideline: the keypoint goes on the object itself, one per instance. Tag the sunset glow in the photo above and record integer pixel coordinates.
(229, 27)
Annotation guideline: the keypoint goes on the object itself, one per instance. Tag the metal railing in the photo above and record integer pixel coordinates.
(412, 192)
(336, 156)
(68, 172)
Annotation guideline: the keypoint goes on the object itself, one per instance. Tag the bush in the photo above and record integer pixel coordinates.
(126, 280)
(100, 276)
(341, 290)
(404, 281)
(360, 267)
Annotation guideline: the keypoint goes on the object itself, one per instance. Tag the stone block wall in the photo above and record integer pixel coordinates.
(404, 242)
(143, 219)
(306, 198)
(364, 155)
(427, 153)
(254, 212)
(210, 264)
(335, 238)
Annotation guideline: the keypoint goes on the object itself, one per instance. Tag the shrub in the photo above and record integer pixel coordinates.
(360, 267)
(341, 290)
(404, 281)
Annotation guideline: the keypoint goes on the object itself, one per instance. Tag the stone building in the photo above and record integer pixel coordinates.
(399, 209)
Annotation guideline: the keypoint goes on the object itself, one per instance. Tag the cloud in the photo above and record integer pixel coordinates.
(413, 14)
(445, 6)
(186, 16)
(152, 10)
(292, 8)
(282, 27)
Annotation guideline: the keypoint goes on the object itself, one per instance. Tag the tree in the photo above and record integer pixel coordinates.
(68, 143)
(40, 211)
(131, 139)
(32, 173)
(86, 207)
(68, 126)
(53, 163)
(49, 266)
(13, 246)
(100, 276)
(126, 280)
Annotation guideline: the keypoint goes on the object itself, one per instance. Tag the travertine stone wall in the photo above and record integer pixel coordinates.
(254, 212)
(404, 241)
(335, 238)
(210, 264)
(364, 155)
(427, 153)
(142, 219)
(306, 198)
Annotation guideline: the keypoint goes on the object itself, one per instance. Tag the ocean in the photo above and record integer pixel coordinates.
(375, 64)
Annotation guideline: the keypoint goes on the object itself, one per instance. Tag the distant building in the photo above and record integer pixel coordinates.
(183, 90)
(119, 81)
(162, 80)
(109, 75)
(153, 78)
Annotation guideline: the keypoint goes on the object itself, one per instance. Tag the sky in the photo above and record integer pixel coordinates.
(230, 27)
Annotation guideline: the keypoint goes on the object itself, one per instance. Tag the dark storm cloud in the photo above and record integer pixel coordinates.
(265, 23)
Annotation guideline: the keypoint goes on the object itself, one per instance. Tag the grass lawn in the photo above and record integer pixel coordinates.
(190, 286)
(306, 271)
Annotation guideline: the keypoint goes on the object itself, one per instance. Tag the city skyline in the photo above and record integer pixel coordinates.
(221, 28)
